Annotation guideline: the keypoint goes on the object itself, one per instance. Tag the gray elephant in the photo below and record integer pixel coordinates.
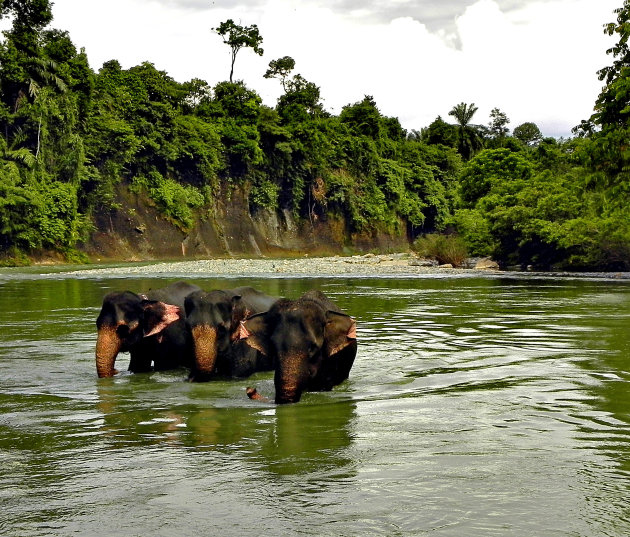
(310, 340)
(214, 319)
(151, 327)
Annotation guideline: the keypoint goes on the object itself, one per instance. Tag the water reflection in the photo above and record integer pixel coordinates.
(475, 407)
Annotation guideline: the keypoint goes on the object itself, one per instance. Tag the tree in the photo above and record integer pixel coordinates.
(498, 122)
(29, 18)
(280, 69)
(197, 92)
(363, 117)
(470, 139)
(238, 37)
(440, 132)
(613, 104)
(528, 133)
(301, 100)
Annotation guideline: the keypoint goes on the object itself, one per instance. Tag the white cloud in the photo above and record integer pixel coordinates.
(537, 63)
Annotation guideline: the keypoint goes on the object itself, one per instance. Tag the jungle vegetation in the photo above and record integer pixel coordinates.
(70, 135)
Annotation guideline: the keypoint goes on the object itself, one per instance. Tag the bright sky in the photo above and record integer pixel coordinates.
(536, 60)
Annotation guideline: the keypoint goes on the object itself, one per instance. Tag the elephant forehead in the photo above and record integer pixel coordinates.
(115, 314)
(304, 314)
(211, 313)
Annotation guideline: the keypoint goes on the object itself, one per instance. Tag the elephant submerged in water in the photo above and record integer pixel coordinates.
(311, 342)
(151, 327)
(214, 319)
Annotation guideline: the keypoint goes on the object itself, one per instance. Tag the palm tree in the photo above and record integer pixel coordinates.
(470, 139)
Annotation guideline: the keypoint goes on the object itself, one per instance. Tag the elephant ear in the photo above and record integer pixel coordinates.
(340, 331)
(158, 315)
(255, 332)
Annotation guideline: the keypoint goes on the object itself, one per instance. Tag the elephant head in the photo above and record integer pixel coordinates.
(125, 319)
(313, 344)
(213, 318)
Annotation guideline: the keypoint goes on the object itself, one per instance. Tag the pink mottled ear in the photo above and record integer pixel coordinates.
(340, 331)
(352, 332)
(254, 332)
(243, 333)
(158, 315)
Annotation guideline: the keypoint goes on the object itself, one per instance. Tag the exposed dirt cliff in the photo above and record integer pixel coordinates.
(136, 231)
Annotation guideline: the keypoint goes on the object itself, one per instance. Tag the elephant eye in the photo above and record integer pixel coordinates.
(312, 350)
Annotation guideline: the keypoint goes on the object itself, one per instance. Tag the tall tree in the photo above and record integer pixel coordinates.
(238, 37)
(29, 18)
(470, 139)
(498, 124)
(612, 107)
(608, 154)
(528, 133)
(281, 69)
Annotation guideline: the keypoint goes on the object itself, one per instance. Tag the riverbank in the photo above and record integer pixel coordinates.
(369, 264)
(399, 264)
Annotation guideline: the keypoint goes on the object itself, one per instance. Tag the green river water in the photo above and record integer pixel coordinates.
(477, 406)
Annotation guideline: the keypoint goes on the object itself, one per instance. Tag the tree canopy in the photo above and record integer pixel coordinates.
(72, 138)
(238, 37)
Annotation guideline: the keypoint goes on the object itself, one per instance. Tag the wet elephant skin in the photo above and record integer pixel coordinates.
(310, 340)
(151, 327)
(214, 319)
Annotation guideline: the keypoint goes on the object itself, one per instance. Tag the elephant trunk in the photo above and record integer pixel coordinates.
(205, 344)
(290, 379)
(108, 345)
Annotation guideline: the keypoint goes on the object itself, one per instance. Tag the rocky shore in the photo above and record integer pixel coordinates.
(358, 265)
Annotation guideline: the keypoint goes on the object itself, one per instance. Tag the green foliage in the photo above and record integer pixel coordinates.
(492, 169)
(264, 193)
(177, 202)
(498, 124)
(542, 209)
(598, 243)
(399, 187)
(612, 107)
(440, 132)
(528, 133)
(238, 37)
(280, 69)
(469, 137)
(56, 221)
(71, 137)
(301, 101)
(444, 249)
(475, 230)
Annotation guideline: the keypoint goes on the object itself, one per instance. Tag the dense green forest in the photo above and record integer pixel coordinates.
(70, 135)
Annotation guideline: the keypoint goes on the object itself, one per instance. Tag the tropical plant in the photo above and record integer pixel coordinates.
(445, 249)
(470, 138)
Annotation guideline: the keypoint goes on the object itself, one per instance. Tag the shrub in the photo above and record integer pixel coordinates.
(175, 201)
(444, 248)
(474, 229)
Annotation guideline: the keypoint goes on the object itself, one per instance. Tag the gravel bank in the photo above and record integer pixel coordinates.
(369, 264)
(359, 265)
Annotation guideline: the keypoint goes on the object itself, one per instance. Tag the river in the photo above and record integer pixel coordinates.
(477, 406)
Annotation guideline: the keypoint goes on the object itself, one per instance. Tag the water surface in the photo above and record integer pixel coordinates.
(476, 407)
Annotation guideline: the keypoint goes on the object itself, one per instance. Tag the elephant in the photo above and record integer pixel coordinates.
(214, 318)
(312, 343)
(150, 327)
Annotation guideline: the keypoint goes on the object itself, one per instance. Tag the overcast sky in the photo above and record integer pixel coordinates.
(536, 60)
